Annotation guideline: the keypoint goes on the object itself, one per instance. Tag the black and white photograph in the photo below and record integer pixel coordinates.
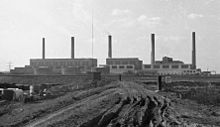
(109, 63)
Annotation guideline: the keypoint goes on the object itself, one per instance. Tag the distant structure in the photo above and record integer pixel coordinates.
(43, 48)
(72, 48)
(109, 46)
(57, 66)
(121, 65)
(166, 66)
(193, 50)
(124, 65)
(153, 48)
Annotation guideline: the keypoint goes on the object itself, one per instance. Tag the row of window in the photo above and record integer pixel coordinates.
(122, 67)
(77, 63)
(190, 71)
(181, 72)
(167, 66)
(121, 62)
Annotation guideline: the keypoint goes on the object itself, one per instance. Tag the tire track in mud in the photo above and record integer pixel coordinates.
(80, 98)
(136, 107)
(105, 118)
(137, 111)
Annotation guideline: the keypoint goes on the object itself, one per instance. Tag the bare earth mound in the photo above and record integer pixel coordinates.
(121, 104)
(118, 104)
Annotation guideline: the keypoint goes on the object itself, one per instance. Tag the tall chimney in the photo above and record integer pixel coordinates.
(43, 48)
(193, 50)
(153, 49)
(109, 46)
(72, 48)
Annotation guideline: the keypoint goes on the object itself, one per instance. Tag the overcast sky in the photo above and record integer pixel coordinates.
(23, 23)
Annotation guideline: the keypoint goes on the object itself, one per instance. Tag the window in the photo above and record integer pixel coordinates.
(147, 66)
(121, 67)
(129, 67)
(156, 66)
(124, 62)
(165, 66)
(114, 67)
(58, 67)
(109, 62)
(185, 66)
(175, 66)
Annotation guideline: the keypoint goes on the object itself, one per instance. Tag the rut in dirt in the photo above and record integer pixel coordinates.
(136, 111)
(128, 104)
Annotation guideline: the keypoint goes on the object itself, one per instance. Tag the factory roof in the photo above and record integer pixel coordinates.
(168, 60)
(123, 58)
(63, 59)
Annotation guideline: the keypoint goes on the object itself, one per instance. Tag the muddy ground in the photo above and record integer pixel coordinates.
(109, 104)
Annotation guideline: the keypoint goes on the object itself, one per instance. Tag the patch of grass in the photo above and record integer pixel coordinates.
(206, 95)
(201, 92)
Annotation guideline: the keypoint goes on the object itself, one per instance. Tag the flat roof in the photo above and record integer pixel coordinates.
(132, 58)
(63, 59)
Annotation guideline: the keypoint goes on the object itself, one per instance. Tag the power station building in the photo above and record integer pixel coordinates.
(63, 66)
(58, 66)
(168, 66)
(121, 65)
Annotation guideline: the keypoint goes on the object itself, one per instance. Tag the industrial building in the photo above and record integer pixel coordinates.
(58, 66)
(168, 66)
(62, 66)
(124, 65)
(121, 65)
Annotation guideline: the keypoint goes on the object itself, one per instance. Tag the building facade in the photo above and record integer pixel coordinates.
(57, 66)
(63, 66)
(170, 67)
(124, 65)
(167, 66)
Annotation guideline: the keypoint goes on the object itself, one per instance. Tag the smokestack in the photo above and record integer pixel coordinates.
(153, 49)
(193, 50)
(72, 48)
(109, 46)
(43, 48)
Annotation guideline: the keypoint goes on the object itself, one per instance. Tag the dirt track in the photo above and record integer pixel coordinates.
(109, 104)
(120, 104)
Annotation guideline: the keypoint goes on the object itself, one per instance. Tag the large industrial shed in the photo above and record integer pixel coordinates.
(63, 66)
(121, 65)
(58, 66)
(124, 65)
(168, 66)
